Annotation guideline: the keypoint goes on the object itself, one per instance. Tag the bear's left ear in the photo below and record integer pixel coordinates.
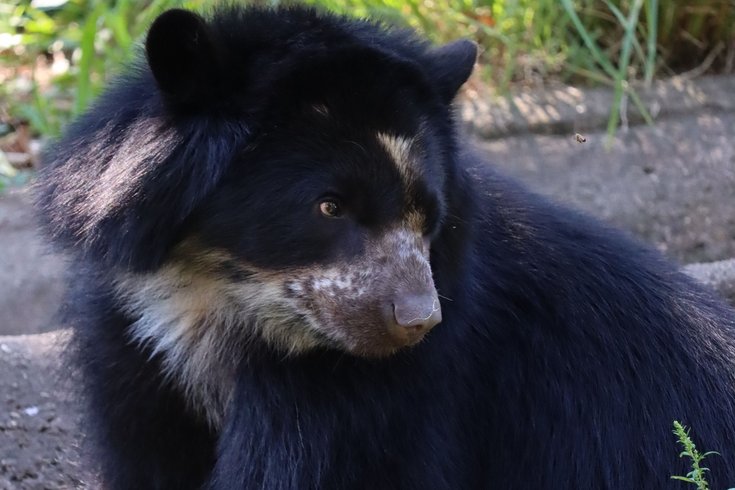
(451, 66)
(182, 55)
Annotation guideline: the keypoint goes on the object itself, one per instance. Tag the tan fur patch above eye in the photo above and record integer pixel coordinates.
(400, 150)
(403, 152)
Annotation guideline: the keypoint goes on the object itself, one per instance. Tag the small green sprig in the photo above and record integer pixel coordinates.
(697, 475)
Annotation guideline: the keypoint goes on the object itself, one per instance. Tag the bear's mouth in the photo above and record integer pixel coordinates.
(385, 349)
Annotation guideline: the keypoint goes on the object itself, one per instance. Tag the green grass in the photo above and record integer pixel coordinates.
(7, 172)
(93, 38)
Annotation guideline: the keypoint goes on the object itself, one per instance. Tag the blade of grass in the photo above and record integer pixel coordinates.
(639, 105)
(117, 21)
(84, 79)
(39, 111)
(652, 23)
(621, 82)
(512, 47)
(622, 20)
(602, 79)
(619, 75)
(594, 50)
(6, 169)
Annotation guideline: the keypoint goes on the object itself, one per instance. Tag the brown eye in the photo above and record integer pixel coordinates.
(330, 209)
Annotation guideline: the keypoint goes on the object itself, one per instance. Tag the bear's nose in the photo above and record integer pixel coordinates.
(412, 315)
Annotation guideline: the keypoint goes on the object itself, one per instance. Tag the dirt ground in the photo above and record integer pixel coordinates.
(30, 278)
(39, 424)
(673, 185)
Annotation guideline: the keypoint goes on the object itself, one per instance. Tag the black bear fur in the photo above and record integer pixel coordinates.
(566, 350)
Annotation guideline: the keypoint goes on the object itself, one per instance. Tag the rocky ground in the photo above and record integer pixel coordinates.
(30, 278)
(39, 430)
(672, 184)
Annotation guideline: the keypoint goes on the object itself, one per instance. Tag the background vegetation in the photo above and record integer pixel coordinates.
(55, 55)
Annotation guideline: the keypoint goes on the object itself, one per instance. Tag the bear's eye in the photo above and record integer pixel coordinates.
(330, 208)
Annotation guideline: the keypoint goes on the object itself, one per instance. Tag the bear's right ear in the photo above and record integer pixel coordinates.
(451, 66)
(181, 54)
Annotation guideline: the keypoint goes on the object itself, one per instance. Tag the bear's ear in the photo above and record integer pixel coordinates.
(451, 66)
(181, 54)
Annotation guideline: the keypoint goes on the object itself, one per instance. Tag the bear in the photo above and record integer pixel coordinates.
(288, 269)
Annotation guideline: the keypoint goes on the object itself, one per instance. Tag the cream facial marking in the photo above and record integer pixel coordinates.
(401, 151)
(200, 312)
(199, 322)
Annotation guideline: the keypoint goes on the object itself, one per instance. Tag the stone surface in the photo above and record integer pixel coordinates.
(718, 275)
(564, 109)
(39, 421)
(30, 278)
(673, 184)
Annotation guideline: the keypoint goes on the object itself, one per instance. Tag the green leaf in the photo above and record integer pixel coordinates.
(84, 76)
(683, 478)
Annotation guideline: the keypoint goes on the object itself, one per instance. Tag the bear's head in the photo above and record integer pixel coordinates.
(284, 176)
